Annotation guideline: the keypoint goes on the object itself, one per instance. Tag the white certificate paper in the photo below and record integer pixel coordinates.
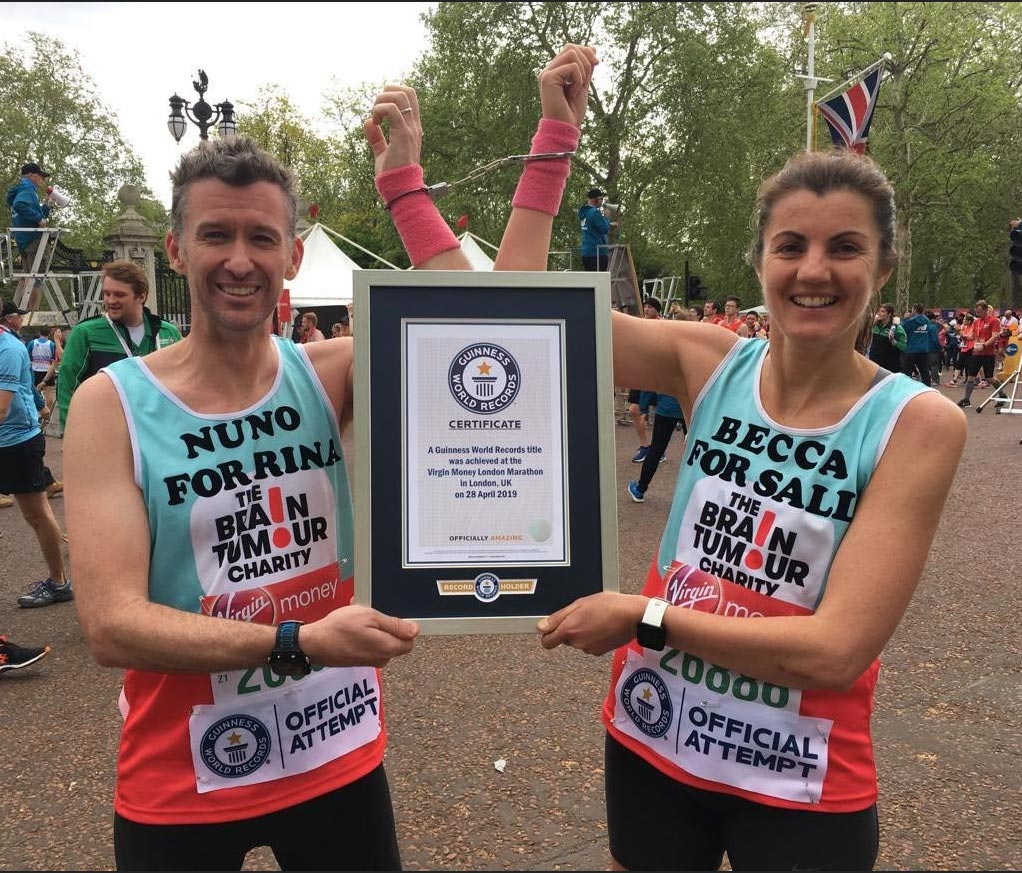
(484, 445)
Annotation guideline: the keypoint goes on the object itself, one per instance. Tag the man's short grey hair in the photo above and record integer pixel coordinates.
(234, 160)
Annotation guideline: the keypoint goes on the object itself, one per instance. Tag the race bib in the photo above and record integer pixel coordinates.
(303, 725)
(723, 727)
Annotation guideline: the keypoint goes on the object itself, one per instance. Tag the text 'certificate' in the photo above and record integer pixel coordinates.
(484, 443)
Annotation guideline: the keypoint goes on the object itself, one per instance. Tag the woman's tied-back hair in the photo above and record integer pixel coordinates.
(234, 160)
(821, 173)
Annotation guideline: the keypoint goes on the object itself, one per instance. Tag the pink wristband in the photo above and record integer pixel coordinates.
(541, 186)
(419, 223)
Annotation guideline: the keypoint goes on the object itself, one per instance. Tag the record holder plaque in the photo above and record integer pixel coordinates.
(484, 446)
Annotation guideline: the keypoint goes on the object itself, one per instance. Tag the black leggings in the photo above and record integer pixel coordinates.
(351, 828)
(663, 430)
(657, 823)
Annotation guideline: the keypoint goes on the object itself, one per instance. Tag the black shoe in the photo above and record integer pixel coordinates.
(965, 404)
(13, 657)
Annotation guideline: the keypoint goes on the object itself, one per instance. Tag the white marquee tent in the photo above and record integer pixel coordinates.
(476, 256)
(325, 277)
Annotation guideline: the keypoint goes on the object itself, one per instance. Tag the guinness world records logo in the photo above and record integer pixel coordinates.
(484, 378)
(487, 587)
(235, 746)
(647, 702)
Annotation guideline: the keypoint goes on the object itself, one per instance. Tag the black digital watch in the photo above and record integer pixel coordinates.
(287, 657)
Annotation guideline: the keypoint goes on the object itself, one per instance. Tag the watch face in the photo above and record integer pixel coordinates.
(650, 637)
(290, 664)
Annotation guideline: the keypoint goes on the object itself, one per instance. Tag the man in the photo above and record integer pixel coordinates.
(921, 335)
(652, 308)
(311, 332)
(27, 211)
(125, 329)
(732, 319)
(215, 445)
(986, 331)
(711, 314)
(42, 351)
(1009, 321)
(342, 327)
(595, 231)
(22, 471)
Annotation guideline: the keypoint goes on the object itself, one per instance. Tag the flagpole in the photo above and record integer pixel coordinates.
(809, 9)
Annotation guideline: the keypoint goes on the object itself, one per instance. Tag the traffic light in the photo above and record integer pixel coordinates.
(696, 291)
(1015, 251)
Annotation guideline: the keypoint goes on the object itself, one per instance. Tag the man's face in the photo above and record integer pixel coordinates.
(236, 250)
(13, 321)
(730, 309)
(709, 308)
(37, 179)
(121, 302)
(650, 311)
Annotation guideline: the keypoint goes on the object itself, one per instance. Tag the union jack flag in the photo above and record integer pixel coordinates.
(849, 114)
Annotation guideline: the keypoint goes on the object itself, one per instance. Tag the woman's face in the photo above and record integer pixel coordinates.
(821, 265)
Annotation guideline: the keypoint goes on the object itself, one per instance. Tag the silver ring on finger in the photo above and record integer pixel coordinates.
(408, 109)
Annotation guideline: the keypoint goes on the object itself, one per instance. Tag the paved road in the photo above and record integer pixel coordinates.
(947, 723)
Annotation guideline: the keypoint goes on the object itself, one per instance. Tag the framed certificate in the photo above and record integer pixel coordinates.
(484, 446)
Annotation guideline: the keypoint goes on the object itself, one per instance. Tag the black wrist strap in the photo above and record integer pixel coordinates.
(407, 194)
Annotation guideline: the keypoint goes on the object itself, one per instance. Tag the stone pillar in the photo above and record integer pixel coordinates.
(302, 218)
(134, 241)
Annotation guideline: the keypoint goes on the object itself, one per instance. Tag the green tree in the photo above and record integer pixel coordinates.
(684, 119)
(50, 113)
(332, 166)
(946, 131)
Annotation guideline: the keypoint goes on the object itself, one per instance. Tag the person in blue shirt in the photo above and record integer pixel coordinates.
(918, 329)
(27, 211)
(22, 470)
(595, 228)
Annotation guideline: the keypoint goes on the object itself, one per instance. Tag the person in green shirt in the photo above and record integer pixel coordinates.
(126, 328)
(889, 339)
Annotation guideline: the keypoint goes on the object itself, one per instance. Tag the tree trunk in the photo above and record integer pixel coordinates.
(903, 194)
(904, 284)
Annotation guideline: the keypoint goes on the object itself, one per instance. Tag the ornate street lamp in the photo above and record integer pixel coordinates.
(200, 113)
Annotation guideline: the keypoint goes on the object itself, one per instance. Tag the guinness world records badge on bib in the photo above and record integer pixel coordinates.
(484, 446)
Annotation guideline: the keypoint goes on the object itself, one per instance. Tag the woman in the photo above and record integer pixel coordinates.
(742, 723)
(889, 339)
(966, 341)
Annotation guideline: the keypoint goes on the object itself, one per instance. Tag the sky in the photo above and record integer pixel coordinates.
(139, 54)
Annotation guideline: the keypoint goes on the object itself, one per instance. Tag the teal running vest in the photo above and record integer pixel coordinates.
(257, 494)
(758, 515)
(251, 519)
(764, 505)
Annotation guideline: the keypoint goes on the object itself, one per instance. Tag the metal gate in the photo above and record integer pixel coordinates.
(172, 296)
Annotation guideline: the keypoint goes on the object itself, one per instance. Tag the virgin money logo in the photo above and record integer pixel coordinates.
(693, 589)
(254, 604)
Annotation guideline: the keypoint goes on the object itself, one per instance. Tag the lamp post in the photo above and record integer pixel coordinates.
(200, 113)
